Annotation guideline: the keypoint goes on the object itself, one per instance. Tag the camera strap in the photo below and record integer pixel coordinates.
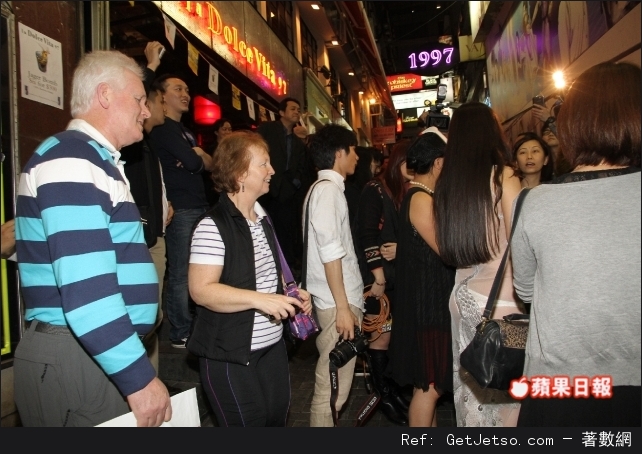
(366, 409)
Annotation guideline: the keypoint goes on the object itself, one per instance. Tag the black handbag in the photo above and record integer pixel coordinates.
(496, 354)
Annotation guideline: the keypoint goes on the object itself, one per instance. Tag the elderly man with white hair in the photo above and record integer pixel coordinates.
(88, 282)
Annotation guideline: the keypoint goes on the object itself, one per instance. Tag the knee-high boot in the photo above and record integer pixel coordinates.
(378, 361)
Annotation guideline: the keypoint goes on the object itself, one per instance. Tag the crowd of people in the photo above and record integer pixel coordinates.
(406, 254)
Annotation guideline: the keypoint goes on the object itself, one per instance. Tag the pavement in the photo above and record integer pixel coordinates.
(178, 369)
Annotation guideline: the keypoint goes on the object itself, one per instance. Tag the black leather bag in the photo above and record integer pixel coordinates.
(496, 354)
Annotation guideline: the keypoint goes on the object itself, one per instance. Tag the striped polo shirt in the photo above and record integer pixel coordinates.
(82, 257)
(208, 249)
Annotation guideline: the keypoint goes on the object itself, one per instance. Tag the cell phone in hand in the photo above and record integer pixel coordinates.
(539, 100)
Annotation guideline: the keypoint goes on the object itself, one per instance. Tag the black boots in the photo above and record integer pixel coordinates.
(390, 404)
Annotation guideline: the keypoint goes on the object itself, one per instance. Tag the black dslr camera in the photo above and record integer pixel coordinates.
(345, 350)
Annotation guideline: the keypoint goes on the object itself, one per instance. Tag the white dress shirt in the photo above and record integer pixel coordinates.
(330, 238)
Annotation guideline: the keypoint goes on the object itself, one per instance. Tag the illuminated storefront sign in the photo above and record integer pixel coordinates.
(404, 82)
(218, 27)
(436, 59)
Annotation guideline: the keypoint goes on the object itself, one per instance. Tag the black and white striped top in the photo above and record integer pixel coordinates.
(208, 249)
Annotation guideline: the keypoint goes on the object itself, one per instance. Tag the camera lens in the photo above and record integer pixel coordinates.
(342, 353)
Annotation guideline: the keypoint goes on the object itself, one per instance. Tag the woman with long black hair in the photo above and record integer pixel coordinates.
(473, 205)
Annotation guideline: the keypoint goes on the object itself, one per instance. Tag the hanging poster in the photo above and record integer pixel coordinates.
(170, 30)
(263, 114)
(250, 108)
(40, 68)
(192, 58)
(236, 97)
(212, 82)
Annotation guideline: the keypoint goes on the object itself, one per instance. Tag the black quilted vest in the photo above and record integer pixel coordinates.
(228, 336)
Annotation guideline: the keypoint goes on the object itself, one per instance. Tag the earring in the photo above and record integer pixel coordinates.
(242, 187)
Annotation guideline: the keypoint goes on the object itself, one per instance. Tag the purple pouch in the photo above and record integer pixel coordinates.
(301, 325)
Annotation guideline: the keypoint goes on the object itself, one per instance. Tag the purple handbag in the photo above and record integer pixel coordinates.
(301, 324)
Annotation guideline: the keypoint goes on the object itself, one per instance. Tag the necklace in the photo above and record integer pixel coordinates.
(430, 191)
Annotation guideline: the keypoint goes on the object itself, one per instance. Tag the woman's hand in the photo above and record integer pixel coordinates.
(278, 306)
(306, 300)
(377, 289)
(389, 251)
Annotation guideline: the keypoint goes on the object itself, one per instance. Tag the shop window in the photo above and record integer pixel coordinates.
(308, 48)
(279, 18)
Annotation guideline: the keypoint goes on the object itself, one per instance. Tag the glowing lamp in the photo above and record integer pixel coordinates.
(558, 79)
(399, 128)
(206, 112)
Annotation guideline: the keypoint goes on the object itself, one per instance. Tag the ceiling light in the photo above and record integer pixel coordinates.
(372, 100)
(271, 14)
(351, 73)
(438, 7)
(360, 92)
(335, 42)
(315, 6)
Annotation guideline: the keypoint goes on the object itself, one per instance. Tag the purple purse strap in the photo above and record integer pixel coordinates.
(285, 268)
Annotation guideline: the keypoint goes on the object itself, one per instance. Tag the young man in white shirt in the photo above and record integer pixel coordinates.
(333, 276)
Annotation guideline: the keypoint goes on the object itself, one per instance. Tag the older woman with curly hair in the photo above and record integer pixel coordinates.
(235, 278)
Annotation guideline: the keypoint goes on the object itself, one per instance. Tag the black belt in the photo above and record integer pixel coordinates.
(48, 328)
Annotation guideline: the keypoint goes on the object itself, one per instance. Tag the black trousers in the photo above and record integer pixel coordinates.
(256, 395)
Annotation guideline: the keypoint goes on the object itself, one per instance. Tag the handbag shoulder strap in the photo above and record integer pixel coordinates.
(285, 268)
(492, 297)
(304, 260)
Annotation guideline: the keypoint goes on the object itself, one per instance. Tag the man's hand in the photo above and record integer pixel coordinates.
(208, 162)
(151, 405)
(152, 54)
(170, 212)
(346, 321)
(541, 113)
(300, 131)
(8, 238)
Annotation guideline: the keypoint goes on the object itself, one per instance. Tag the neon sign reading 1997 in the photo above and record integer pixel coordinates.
(425, 57)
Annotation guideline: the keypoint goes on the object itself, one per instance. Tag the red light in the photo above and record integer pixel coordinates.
(206, 112)
(399, 126)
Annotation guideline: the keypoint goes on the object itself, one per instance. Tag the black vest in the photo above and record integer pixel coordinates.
(228, 336)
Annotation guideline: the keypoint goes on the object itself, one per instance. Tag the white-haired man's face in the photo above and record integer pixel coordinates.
(129, 111)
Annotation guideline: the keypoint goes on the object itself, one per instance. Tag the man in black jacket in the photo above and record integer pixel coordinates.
(287, 156)
(142, 169)
(182, 161)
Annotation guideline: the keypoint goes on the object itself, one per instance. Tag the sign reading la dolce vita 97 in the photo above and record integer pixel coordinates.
(220, 26)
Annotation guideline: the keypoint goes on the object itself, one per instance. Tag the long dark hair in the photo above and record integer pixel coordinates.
(392, 179)
(466, 215)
